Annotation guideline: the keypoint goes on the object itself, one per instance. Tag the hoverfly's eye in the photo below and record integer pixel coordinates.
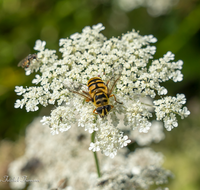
(99, 110)
(108, 107)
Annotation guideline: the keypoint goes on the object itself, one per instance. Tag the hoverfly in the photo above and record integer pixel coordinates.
(103, 182)
(63, 183)
(24, 63)
(31, 166)
(99, 94)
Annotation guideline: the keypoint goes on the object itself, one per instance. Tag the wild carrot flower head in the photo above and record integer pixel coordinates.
(91, 54)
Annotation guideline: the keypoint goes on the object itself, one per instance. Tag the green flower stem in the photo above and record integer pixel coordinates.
(95, 156)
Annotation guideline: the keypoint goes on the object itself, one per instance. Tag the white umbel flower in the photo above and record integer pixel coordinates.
(90, 54)
(109, 139)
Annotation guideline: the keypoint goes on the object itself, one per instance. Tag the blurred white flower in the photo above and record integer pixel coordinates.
(63, 162)
(155, 134)
(154, 7)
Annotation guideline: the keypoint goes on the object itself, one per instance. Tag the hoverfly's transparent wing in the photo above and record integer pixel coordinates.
(77, 88)
(73, 86)
(23, 63)
(115, 76)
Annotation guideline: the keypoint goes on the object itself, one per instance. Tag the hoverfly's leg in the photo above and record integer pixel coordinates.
(108, 82)
(110, 90)
(87, 98)
(115, 98)
(112, 106)
(94, 111)
(87, 93)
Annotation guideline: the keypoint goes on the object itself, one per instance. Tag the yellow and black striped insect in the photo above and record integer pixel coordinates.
(99, 94)
(24, 63)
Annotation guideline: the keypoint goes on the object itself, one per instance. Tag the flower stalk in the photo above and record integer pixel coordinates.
(95, 156)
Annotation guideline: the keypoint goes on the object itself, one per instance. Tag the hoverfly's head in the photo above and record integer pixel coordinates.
(104, 110)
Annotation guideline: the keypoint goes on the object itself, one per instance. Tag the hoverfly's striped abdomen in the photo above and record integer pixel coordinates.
(99, 93)
(96, 85)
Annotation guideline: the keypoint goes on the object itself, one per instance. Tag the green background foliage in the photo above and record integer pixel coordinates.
(22, 22)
